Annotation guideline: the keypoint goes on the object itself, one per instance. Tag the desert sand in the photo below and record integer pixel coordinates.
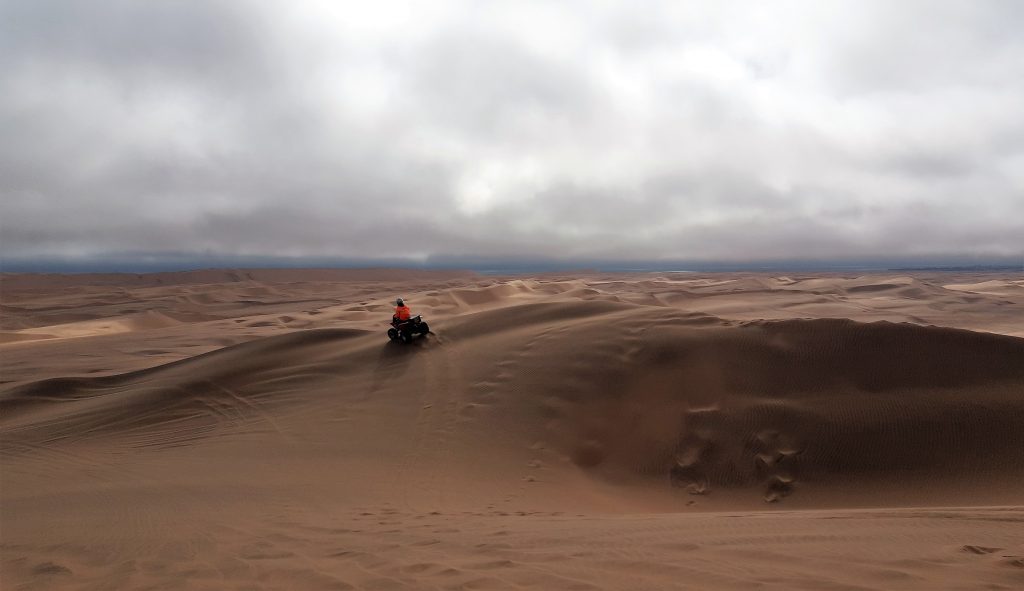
(255, 429)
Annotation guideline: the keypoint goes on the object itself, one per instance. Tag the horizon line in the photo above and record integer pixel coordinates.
(147, 264)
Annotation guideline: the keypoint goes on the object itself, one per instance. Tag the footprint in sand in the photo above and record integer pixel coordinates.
(50, 568)
(693, 452)
(778, 487)
(979, 549)
(688, 472)
(775, 459)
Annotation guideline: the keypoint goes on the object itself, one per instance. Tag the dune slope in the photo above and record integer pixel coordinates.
(618, 392)
(268, 436)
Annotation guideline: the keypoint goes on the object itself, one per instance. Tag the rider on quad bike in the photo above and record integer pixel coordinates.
(402, 312)
(404, 325)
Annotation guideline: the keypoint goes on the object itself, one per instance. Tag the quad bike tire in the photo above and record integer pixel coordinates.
(423, 328)
(392, 334)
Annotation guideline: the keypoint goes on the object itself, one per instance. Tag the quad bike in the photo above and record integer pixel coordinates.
(405, 331)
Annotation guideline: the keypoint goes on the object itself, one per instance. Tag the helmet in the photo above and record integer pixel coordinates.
(399, 302)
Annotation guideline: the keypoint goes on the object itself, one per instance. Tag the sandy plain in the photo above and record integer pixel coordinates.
(255, 429)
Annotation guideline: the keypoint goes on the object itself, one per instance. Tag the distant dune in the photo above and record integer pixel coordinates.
(256, 429)
(49, 281)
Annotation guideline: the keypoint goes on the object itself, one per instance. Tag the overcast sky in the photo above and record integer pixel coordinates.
(642, 130)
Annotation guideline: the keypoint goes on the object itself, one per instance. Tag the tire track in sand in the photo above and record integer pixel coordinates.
(421, 475)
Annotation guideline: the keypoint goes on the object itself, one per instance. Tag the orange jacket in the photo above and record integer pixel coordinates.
(402, 313)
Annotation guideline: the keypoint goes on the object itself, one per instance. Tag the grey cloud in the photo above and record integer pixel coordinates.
(485, 86)
(918, 46)
(220, 43)
(236, 128)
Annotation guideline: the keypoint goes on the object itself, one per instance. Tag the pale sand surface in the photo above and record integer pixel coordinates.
(255, 430)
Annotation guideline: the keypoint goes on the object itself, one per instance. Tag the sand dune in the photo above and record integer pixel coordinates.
(255, 429)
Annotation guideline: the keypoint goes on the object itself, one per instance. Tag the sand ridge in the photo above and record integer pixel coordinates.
(254, 429)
